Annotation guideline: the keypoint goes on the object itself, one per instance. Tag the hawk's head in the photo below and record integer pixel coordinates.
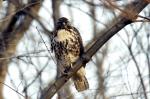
(63, 23)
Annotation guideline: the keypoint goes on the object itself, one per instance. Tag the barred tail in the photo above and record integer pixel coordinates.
(81, 83)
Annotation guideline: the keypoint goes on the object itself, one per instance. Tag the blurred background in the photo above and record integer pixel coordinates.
(119, 70)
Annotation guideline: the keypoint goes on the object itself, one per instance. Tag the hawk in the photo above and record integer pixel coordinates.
(66, 43)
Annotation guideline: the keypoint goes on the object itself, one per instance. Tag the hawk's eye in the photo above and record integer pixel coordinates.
(63, 23)
(59, 23)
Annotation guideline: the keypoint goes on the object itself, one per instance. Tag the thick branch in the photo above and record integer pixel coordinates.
(121, 22)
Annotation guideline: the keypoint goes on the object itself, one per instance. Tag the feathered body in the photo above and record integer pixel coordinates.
(67, 45)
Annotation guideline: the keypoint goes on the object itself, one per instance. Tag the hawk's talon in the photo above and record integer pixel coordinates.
(85, 58)
(64, 74)
(67, 69)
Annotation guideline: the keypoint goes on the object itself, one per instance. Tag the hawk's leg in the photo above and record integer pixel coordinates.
(67, 69)
(61, 70)
(64, 71)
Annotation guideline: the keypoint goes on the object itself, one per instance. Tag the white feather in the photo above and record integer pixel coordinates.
(62, 35)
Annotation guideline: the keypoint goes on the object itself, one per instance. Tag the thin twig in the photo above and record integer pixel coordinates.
(13, 89)
(46, 45)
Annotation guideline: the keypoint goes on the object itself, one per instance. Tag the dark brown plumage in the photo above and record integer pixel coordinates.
(67, 45)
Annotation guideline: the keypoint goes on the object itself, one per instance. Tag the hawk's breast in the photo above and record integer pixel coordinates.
(67, 46)
(63, 35)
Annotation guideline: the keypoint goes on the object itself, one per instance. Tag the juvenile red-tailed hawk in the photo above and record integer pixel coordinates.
(67, 45)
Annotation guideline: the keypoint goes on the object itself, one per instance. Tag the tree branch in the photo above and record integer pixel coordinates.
(121, 22)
